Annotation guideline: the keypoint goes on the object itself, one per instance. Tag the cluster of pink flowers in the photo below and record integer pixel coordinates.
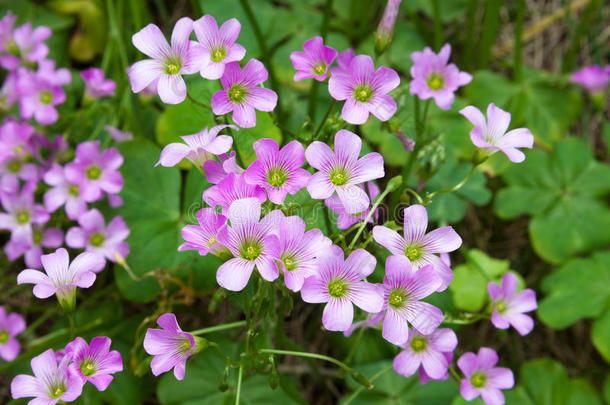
(59, 376)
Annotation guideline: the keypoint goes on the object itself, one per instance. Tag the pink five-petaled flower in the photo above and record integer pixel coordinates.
(492, 136)
(278, 170)
(419, 247)
(430, 354)
(203, 237)
(241, 93)
(10, 326)
(344, 59)
(105, 241)
(51, 382)
(364, 90)
(482, 378)
(95, 172)
(297, 250)
(215, 171)
(168, 63)
(219, 47)
(433, 77)
(170, 346)
(94, 363)
(510, 307)
(594, 78)
(48, 238)
(95, 84)
(403, 287)
(62, 277)
(21, 213)
(199, 147)
(345, 220)
(314, 62)
(339, 284)
(24, 44)
(232, 188)
(247, 239)
(40, 92)
(65, 190)
(341, 170)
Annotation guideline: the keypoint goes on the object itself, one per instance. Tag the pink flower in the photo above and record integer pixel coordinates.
(247, 239)
(199, 147)
(341, 171)
(241, 93)
(430, 354)
(434, 78)
(403, 288)
(344, 60)
(230, 189)
(11, 325)
(94, 363)
(482, 378)
(219, 47)
(314, 62)
(41, 91)
(420, 248)
(95, 172)
(65, 189)
(62, 277)
(364, 90)
(21, 213)
(95, 84)
(297, 250)
(344, 219)
(492, 135)
(8, 92)
(93, 235)
(216, 172)
(118, 135)
(339, 284)
(510, 306)
(278, 170)
(204, 237)
(594, 78)
(168, 63)
(15, 147)
(48, 238)
(51, 382)
(170, 346)
(25, 45)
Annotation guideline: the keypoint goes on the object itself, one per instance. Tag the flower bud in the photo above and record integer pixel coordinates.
(383, 35)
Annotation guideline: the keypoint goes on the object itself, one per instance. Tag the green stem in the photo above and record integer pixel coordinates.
(373, 378)
(218, 328)
(352, 351)
(518, 56)
(465, 319)
(454, 188)
(378, 201)
(438, 25)
(454, 373)
(239, 378)
(341, 365)
(321, 125)
(313, 94)
(200, 104)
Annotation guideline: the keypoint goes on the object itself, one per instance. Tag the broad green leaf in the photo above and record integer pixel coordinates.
(469, 285)
(600, 334)
(578, 289)
(607, 389)
(561, 190)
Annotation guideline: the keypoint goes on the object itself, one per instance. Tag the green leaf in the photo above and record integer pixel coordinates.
(578, 289)
(245, 137)
(469, 285)
(561, 190)
(607, 389)
(600, 335)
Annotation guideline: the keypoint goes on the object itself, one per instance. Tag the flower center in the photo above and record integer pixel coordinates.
(500, 306)
(73, 190)
(93, 172)
(211, 241)
(45, 97)
(13, 165)
(363, 93)
(276, 177)
(419, 344)
(185, 345)
(22, 217)
(338, 176)
(319, 68)
(413, 253)
(97, 239)
(13, 49)
(478, 380)
(36, 237)
(87, 368)
(397, 298)
(218, 53)
(237, 93)
(57, 389)
(435, 81)
(290, 262)
(3, 336)
(337, 288)
(173, 66)
(250, 250)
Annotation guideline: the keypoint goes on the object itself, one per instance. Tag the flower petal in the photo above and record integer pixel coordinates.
(234, 274)
(338, 315)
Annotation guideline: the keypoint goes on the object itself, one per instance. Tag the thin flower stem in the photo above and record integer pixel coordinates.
(466, 319)
(373, 378)
(200, 104)
(315, 86)
(369, 215)
(352, 351)
(454, 373)
(339, 363)
(321, 125)
(238, 390)
(454, 188)
(218, 328)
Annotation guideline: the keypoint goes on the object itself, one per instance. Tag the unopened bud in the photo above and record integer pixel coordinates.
(361, 379)
(200, 344)
(394, 183)
(383, 35)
